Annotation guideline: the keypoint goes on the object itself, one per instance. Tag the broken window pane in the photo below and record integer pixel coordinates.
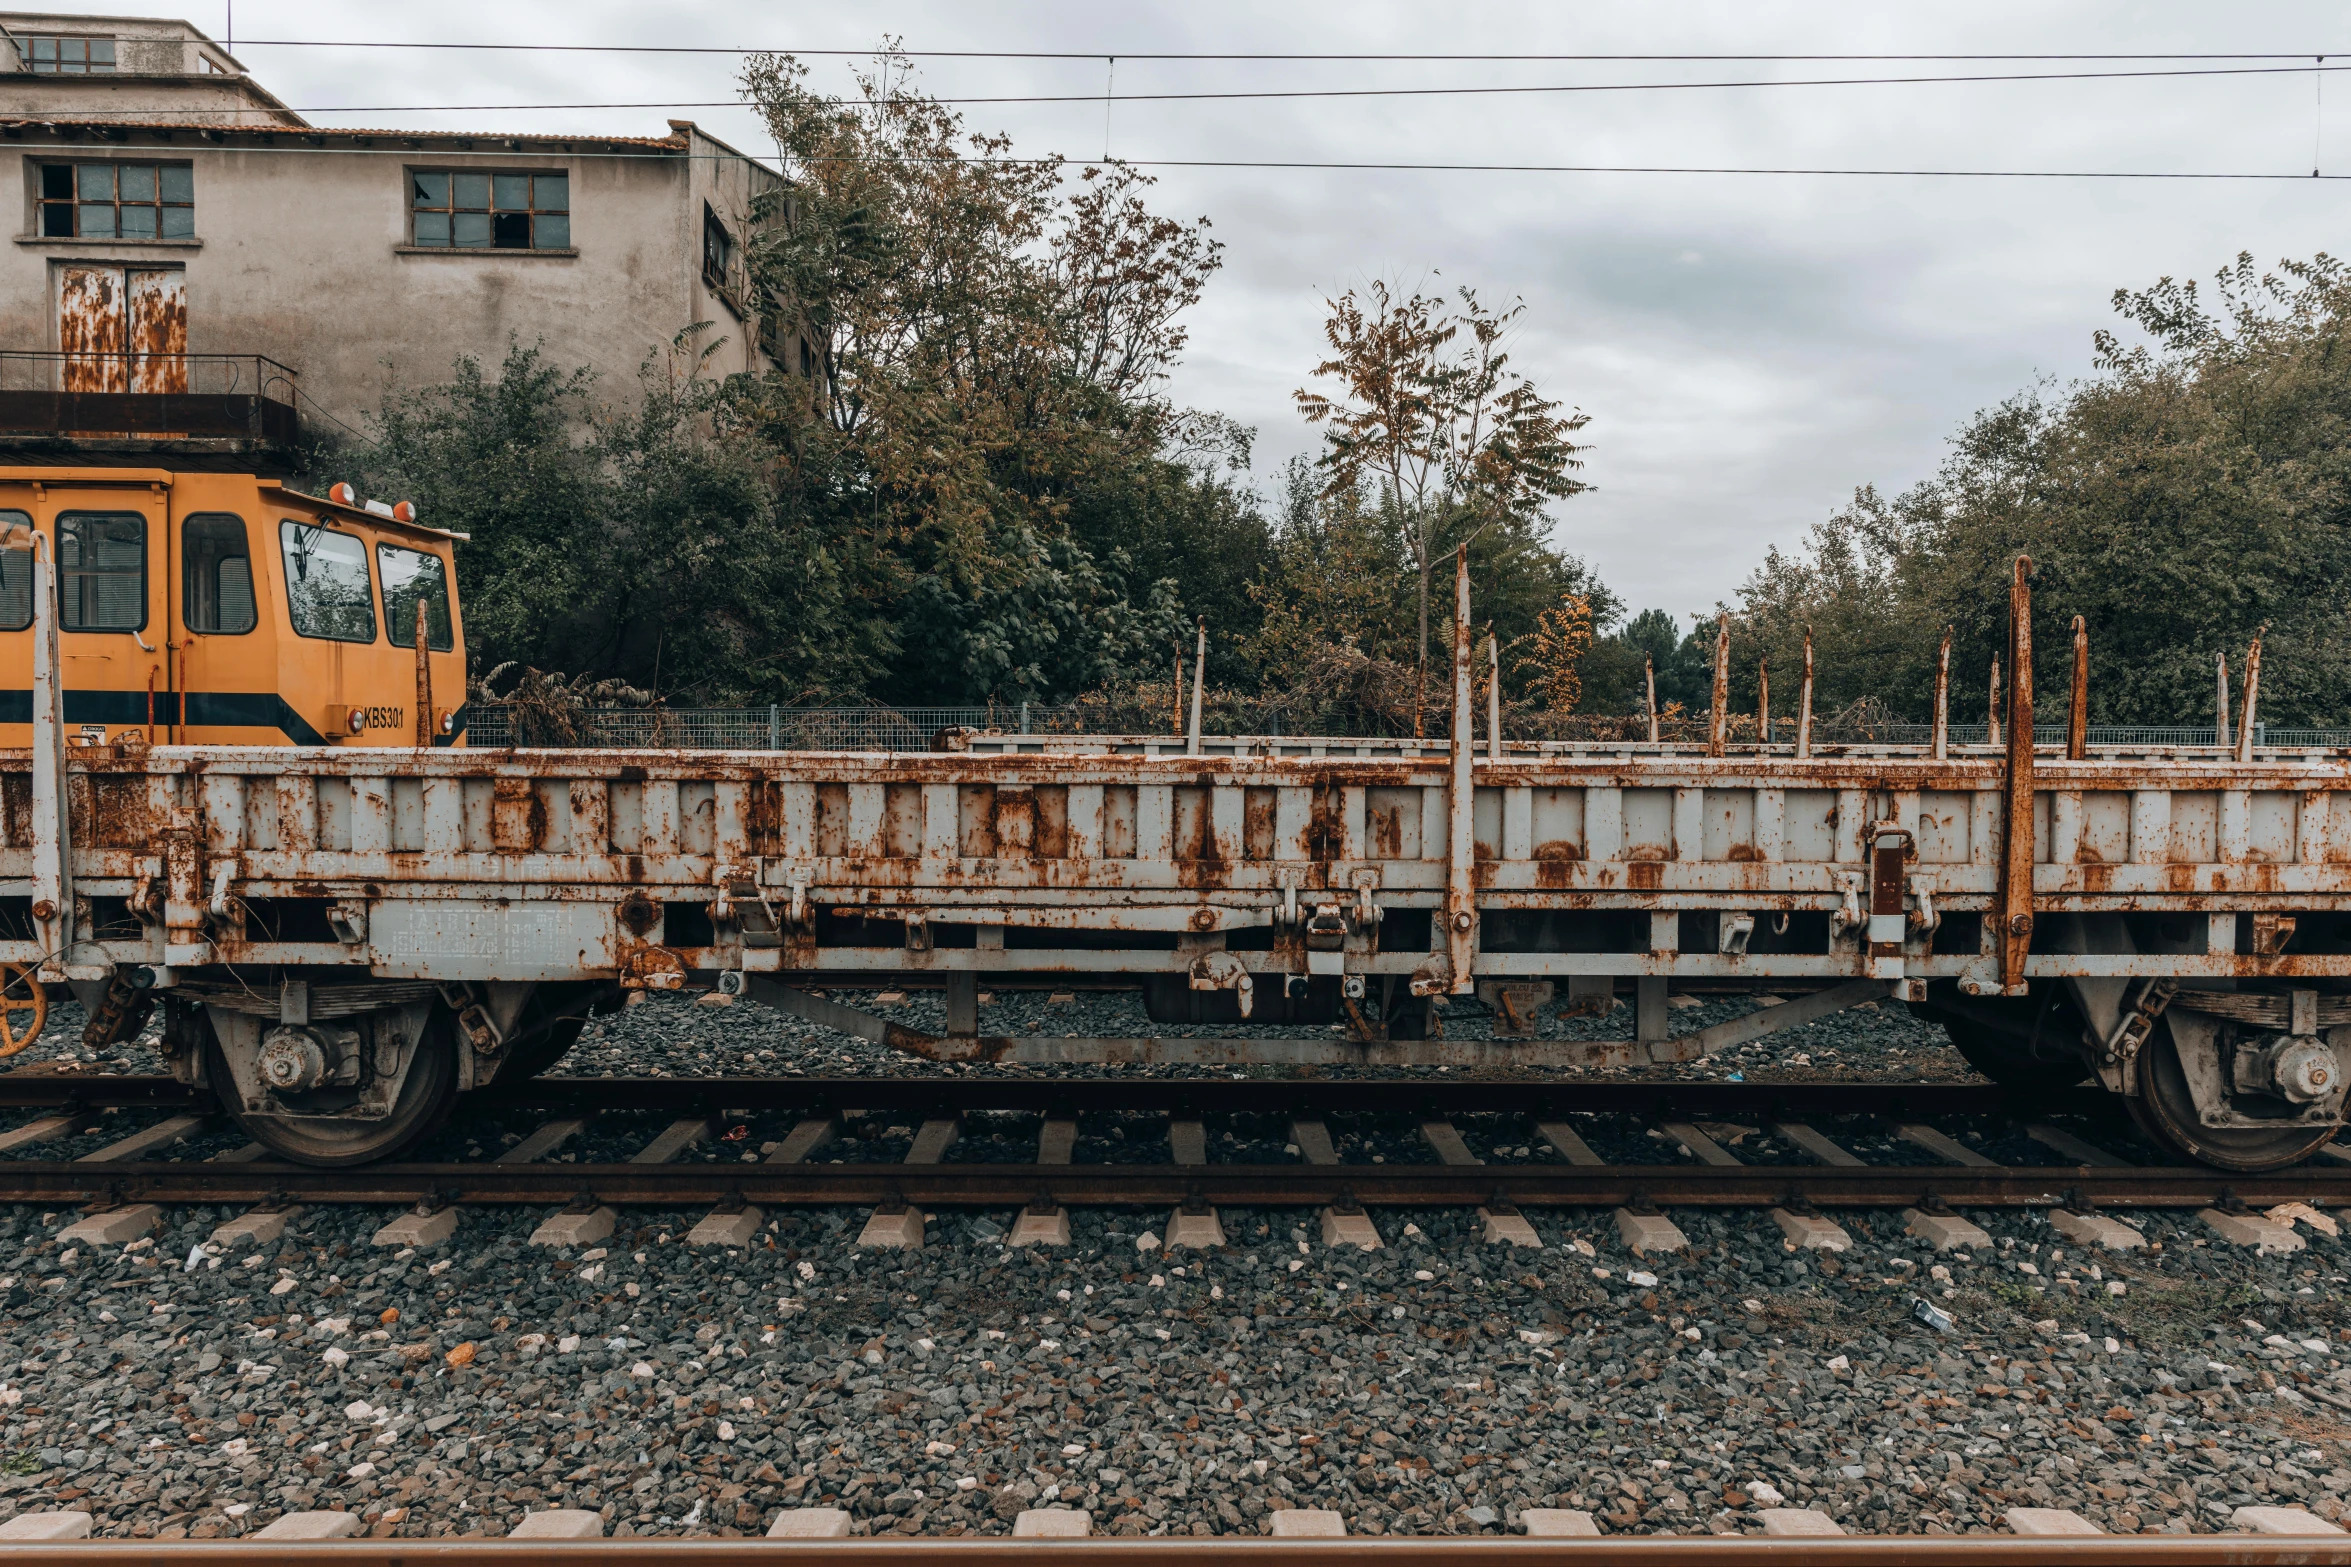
(489, 210)
(102, 571)
(326, 583)
(118, 201)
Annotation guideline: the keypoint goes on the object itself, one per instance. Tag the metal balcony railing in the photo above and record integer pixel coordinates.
(94, 396)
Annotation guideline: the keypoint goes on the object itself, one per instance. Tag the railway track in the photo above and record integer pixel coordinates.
(1882, 1551)
(1510, 1149)
(1809, 1125)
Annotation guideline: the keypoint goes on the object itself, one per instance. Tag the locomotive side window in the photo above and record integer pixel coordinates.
(406, 574)
(327, 592)
(102, 570)
(16, 578)
(217, 587)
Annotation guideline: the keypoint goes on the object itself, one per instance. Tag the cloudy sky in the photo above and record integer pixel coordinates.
(1750, 348)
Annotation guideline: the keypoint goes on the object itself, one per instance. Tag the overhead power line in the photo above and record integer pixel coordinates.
(1128, 54)
(114, 145)
(1373, 92)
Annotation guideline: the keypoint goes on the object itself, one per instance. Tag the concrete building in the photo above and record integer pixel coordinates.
(185, 238)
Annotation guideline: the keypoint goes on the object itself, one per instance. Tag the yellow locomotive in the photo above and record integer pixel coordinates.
(226, 609)
(223, 609)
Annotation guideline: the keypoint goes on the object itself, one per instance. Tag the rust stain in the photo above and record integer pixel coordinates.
(518, 815)
(1745, 852)
(1559, 849)
(1554, 873)
(1257, 823)
(1015, 822)
(1326, 824)
(1385, 829)
(1645, 875)
(639, 914)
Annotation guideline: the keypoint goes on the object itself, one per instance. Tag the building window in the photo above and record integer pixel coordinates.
(409, 575)
(67, 56)
(718, 250)
(463, 210)
(217, 593)
(326, 583)
(118, 201)
(102, 570)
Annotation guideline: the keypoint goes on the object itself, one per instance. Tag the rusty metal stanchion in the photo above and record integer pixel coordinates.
(2077, 711)
(1804, 704)
(2248, 716)
(1461, 841)
(2220, 721)
(1943, 698)
(2016, 828)
(1718, 716)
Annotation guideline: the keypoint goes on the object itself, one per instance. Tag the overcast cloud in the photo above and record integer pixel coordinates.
(1750, 349)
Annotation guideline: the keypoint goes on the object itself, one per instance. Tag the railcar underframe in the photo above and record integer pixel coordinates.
(346, 939)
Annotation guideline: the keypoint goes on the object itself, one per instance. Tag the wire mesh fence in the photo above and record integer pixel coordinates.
(922, 728)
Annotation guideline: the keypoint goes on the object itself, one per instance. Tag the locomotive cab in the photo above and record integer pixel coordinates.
(227, 609)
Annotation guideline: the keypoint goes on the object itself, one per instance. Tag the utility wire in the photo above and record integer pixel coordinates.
(1106, 97)
(1129, 54)
(114, 146)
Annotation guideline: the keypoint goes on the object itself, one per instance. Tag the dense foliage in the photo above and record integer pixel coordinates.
(2190, 493)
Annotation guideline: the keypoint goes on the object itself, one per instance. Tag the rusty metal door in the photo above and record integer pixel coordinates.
(90, 328)
(123, 329)
(156, 334)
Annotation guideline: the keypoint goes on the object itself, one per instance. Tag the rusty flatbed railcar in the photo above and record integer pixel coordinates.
(345, 939)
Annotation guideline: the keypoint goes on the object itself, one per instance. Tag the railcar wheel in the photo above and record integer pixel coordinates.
(550, 1025)
(24, 1007)
(426, 1095)
(2009, 1060)
(2166, 1111)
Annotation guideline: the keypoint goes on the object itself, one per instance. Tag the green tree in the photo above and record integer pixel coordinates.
(989, 415)
(640, 541)
(1429, 412)
(2195, 488)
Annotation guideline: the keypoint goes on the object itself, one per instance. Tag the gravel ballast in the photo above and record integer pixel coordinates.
(1437, 1386)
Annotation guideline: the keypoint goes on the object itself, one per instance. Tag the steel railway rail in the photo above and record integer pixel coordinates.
(2235, 1550)
(2095, 1178)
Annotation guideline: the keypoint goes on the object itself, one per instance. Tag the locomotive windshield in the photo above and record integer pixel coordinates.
(326, 583)
(407, 574)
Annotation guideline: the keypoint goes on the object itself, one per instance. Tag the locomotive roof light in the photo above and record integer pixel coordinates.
(343, 495)
(404, 511)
